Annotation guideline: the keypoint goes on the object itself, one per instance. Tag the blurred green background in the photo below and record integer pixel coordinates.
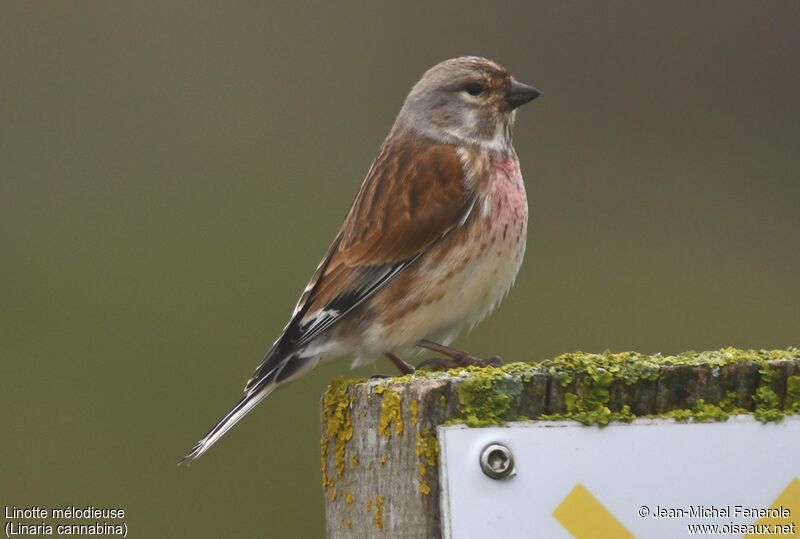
(171, 173)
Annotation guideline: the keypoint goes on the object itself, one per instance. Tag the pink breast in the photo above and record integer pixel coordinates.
(507, 191)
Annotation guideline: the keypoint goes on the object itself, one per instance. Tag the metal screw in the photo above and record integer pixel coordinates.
(497, 462)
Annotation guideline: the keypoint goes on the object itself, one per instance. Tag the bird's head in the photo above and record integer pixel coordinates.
(468, 100)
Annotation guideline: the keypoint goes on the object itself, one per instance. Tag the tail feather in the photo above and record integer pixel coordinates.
(239, 410)
(259, 387)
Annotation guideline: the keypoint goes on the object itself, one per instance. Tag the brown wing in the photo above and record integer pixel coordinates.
(410, 198)
(413, 195)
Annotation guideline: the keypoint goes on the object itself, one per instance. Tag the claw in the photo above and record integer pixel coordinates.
(457, 358)
(494, 361)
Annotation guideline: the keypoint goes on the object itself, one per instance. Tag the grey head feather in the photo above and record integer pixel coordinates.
(440, 105)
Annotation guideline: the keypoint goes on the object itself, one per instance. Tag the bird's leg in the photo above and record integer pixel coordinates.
(401, 365)
(458, 358)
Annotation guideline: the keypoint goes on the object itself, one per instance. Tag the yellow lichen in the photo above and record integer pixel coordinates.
(379, 512)
(354, 460)
(338, 430)
(391, 412)
(424, 487)
(427, 449)
(414, 412)
(326, 480)
(348, 497)
(383, 459)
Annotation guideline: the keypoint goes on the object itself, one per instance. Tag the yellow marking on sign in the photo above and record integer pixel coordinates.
(788, 499)
(585, 517)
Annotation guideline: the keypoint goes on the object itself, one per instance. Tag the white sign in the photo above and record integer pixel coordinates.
(650, 479)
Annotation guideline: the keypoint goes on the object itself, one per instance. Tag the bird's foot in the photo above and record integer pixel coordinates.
(402, 366)
(457, 358)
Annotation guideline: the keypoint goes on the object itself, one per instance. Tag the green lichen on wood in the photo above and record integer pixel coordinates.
(768, 405)
(704, 412)
(486, 394)
(769, 375)
(633, 367)
(585, 384)
(766, 400)
(391, 412)
(728, 404)
(792, 403)
(427, 449)
(590, 413)
(590, 404)
(627, 367)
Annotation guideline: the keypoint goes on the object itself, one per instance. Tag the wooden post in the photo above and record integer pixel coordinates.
(380, 463)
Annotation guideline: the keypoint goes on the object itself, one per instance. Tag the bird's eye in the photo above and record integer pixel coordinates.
(473, 88)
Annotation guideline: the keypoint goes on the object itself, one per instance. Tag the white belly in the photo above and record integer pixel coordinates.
(483, 281)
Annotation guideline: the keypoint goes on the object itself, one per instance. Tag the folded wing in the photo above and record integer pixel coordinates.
(414, 194)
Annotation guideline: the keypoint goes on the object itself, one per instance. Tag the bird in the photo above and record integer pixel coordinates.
(431, 244)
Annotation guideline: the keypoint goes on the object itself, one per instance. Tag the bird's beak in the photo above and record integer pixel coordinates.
(518, 94)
